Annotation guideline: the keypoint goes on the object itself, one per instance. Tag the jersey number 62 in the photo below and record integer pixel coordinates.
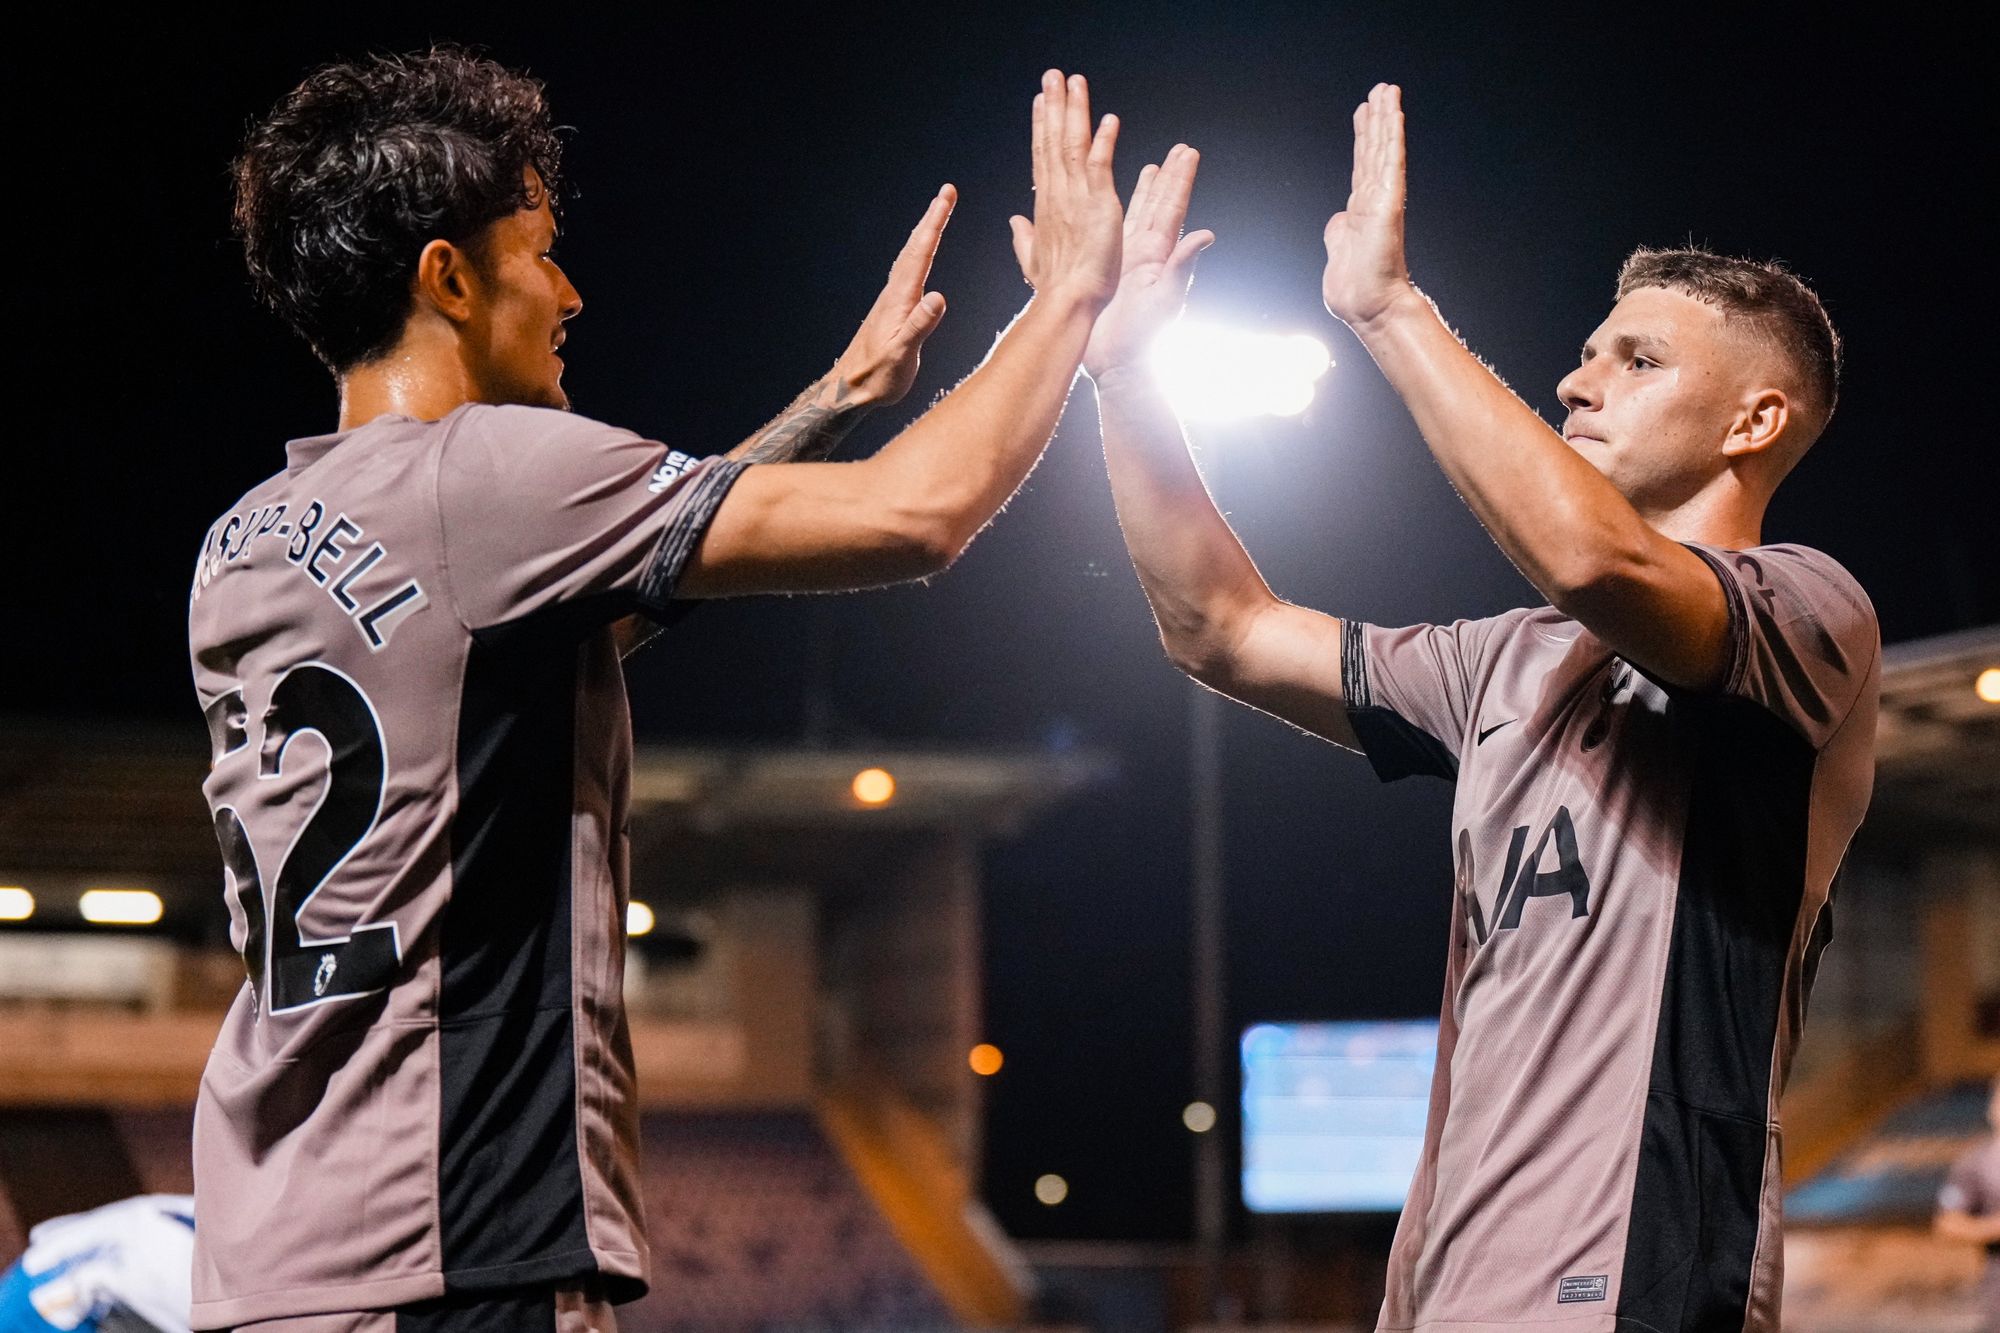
(288, 970)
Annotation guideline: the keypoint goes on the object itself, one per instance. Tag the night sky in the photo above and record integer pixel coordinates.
(741, 183)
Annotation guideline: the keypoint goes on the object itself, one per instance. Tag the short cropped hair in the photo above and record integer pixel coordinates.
(363, 164)
(1764, 296)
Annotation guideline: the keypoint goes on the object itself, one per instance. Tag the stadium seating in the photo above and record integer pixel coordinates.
(756, 1222)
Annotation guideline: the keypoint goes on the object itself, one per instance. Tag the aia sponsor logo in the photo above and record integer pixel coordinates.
(671, 469)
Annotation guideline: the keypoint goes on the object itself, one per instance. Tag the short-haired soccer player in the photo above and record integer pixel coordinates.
(1657, 774)
(419, 1114)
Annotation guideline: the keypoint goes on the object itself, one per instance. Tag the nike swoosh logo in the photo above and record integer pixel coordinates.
(1495, 727)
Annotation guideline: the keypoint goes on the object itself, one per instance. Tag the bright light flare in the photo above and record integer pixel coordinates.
(1213, 373)
(16, 904)
(639, 919)
(1199, 1117)
(1988, 685)
(1051, 1189)
(873, 786)
(985, 1059)
(120, 907)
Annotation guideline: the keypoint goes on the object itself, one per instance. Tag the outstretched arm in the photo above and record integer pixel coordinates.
(1218, 620)
(911, 509)
(877, 368)
(1561, 522)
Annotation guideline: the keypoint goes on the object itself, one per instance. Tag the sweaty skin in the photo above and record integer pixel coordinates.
(428, 594)
(486, 325)
(1679, 429)
(1678, 735)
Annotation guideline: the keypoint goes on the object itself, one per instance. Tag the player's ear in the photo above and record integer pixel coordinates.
(446, 280)
(1761, 419)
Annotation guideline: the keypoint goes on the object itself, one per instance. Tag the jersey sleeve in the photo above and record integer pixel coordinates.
(539, 509)
(1802, 635)
(1409, 692)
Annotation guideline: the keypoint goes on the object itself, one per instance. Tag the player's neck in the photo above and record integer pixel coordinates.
(420, 377)
(1728, 517)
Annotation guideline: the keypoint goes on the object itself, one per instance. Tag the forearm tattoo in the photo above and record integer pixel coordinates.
(807, 430)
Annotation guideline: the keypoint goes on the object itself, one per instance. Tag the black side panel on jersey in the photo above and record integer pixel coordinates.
(1702, 1147)
(510, 1189)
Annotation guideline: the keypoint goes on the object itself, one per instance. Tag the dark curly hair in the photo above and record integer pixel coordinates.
(339, 189)
(1764, 295)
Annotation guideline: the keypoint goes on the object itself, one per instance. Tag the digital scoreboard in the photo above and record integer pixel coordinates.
(1333, 1114)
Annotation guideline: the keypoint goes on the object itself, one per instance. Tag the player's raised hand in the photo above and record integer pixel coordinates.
(881, 363)
(1073, 244)
(1158, 265)
(1365, 272)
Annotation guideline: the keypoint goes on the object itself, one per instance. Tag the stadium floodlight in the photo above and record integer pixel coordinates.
(1051, 1189)
(985, 1059)
(1214, 373)
(1199, 1117)
(16, 903)
(120, 907)
(873, 786)
(639, 919)
(1988, 685)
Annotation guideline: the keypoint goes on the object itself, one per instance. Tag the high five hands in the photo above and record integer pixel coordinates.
(881, 363)
(1071, 250)
(1159, 265)
(1073, 246)
(1365, 274)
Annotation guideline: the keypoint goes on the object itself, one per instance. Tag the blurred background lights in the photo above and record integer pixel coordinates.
(1213, 373)
(1988, 685)
(16, 904)
(986, 1059)
(639, 919)
(120, 907)
(1051, 1189)
(873, 786)
(1198, 1117)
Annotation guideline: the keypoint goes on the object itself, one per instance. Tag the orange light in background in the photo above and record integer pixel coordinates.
(121, 907)
(874, 786)
(639, 919)
(1051, 1189)
(1988, 685)
(16, 904)
(986, 1059)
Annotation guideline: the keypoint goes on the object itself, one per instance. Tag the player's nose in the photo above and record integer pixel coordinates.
(1576, 391)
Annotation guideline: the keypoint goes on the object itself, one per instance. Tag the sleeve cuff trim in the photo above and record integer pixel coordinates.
(684, 533)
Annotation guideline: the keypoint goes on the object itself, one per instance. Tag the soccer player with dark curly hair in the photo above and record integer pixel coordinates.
(419, 1114)
(1657, 773)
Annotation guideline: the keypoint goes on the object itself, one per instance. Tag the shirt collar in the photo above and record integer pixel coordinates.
(302, 453)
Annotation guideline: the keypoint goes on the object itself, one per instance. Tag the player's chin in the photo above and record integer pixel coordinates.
(547, 391)
(1595, 452)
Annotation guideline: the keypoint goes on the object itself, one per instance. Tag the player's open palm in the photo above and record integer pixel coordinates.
(1073, 245)
(1159, 265)
(881, 363)
(1365, 272)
